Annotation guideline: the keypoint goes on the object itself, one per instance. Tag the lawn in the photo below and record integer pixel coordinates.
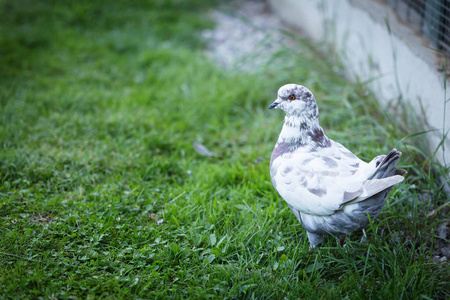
(104, 195)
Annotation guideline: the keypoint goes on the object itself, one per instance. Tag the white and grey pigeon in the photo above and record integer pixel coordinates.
(327, 187)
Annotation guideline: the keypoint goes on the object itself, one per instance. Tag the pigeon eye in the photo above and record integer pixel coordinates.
(292, 97)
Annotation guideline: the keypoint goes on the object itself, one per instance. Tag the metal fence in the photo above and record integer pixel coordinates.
(429, 17)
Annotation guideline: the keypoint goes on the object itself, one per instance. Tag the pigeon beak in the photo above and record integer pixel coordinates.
(274, 104)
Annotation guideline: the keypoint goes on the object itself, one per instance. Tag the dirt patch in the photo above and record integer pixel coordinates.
(41, 218)
(246, 36)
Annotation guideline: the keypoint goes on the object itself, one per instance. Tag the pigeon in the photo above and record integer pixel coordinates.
(328, 188)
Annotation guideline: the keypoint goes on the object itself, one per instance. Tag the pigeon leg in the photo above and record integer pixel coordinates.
(314, 239)
(342, 238)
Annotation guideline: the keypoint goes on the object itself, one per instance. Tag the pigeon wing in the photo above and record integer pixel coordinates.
(323, 181)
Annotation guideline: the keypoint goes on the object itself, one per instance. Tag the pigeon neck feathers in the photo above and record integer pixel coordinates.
(303, 131)
(298, 133)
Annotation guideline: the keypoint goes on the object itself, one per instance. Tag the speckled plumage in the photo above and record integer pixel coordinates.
(328, 188)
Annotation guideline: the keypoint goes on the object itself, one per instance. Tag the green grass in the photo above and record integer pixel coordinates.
(104, 196)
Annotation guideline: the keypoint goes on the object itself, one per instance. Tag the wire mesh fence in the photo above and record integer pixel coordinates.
(429, 17)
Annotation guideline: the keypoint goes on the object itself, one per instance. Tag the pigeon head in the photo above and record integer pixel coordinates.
(296, 100)
(301, 124)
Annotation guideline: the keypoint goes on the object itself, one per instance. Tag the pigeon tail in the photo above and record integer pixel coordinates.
(385, 176)
(387, 165)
